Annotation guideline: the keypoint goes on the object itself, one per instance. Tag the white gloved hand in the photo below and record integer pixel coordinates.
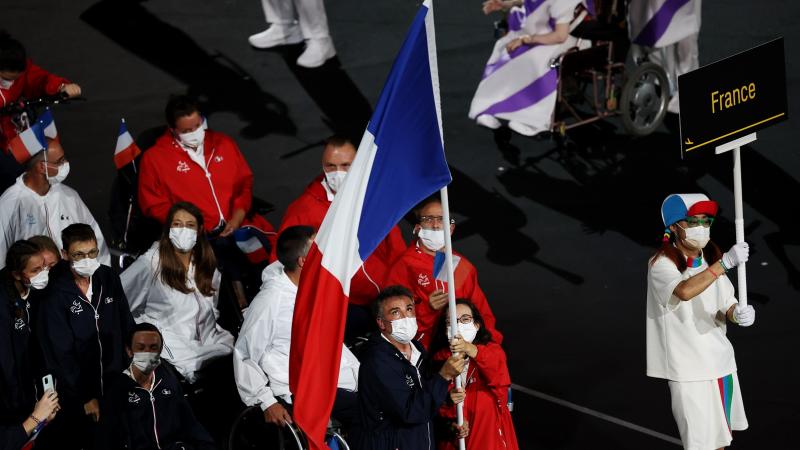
(738, 254)
(744, 315)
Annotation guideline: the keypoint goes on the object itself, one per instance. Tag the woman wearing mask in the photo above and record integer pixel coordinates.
(175, 286)
(485, 382)
(24, 272)
(689, 301)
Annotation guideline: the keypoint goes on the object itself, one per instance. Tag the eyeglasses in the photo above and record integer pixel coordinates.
(696, 222)
(433, 220)
(464, 319)
(77, 256)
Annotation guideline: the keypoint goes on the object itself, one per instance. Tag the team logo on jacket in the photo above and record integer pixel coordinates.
(76, 307)
(218, 159)
(166, 392)
(30, 219)
(423, 280)
(183, 167)
(410, 381)
(133, 397)
(19, 324)
(109, 300)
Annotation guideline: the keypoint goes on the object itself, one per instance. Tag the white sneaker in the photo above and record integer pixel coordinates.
(317, 52)
(275, 35)
(521, 128)
(488, 121)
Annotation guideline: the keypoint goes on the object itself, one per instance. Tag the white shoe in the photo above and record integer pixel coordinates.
(521, 128)
(488, 121)
(317, 52)
(275, 35)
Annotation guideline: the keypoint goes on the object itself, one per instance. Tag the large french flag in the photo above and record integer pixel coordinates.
(28, 143)
(126, 150)
(400, 161)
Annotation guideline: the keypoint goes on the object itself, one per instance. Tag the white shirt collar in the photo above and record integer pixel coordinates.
(328, 192)
(415, 354)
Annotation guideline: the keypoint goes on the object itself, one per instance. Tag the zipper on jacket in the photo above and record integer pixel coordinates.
(97, 327)
(211, 185)
(153, 408)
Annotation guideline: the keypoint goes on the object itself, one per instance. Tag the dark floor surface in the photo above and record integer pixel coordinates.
(560, 238)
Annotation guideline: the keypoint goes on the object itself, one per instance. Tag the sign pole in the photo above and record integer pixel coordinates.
(451, 294)
(736, 146)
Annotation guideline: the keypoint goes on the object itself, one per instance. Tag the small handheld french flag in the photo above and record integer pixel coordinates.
(28, 143)
(126, 150)
(438, 265)
(48, 124)
(253, 243)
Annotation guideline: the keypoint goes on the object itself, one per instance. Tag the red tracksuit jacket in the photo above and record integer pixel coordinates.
(310, 209)
(34, 82)
(168, 176)
(414, 270)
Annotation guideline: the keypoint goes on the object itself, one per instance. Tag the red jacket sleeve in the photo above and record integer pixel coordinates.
(153, 200)
(491, 363)
(478, 298)
(39, 81)
(243, 197)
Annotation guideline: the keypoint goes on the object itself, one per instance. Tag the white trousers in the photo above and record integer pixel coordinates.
(309, 14)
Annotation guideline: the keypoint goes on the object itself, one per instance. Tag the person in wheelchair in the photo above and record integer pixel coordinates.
(192, 164)
(175, 286)
(145, 403)
(518, 84)
(667, 37)
(261, 356)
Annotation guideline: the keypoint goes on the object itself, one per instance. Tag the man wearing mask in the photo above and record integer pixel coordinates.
(261, 356)
(310, 209)
(414, 270)
(398, 394)
(39, 203)
(84, 320)
(191, 164)
(146, 405)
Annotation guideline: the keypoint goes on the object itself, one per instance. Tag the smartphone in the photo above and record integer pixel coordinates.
(47, 383)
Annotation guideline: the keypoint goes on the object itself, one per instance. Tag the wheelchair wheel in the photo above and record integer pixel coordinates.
(250, 432)
(644, 99)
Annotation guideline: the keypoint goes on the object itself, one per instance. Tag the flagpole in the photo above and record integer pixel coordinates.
(451, 295)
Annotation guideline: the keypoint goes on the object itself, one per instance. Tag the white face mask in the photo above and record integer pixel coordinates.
(335, 179)
(183, 238)
(432, 239)
(146, 362)
(697, 237)
(39, 281)
(85, 267)
(63, 171)
(467, 331)
(6, 84)
(404, 330)
(194, 138)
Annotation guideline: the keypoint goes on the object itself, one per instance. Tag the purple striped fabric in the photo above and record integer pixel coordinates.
(658, 24)
(505, 58)
(527, 96)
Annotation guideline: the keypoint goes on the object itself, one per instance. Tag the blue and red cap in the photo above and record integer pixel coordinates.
(677, 207)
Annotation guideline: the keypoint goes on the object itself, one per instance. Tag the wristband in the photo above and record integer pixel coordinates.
(716, 275)
(722, 263)
(36, 420)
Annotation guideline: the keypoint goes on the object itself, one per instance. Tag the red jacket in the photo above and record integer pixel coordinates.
(414, 270)
(310, 209)
(486, 404)
(33, 82)
(168, 176)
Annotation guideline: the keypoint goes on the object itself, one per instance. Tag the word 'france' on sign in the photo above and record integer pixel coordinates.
(733, 97)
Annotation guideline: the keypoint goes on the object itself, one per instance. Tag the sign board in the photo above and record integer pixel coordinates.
(732, 97)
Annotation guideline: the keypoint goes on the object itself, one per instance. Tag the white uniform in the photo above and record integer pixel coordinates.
(24, 214)
(667, 31)
(308, 14)
(686, 344)
(521, 86)
(261, 357)
(188, 322)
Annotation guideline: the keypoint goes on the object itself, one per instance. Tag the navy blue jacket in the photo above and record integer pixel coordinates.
(83, 340)
(17, 388)
(141, 421)
(397, 401)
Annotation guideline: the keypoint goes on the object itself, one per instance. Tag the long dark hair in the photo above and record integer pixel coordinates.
(173, 274)
(668, 249)
(440, 339)
(17, 259)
